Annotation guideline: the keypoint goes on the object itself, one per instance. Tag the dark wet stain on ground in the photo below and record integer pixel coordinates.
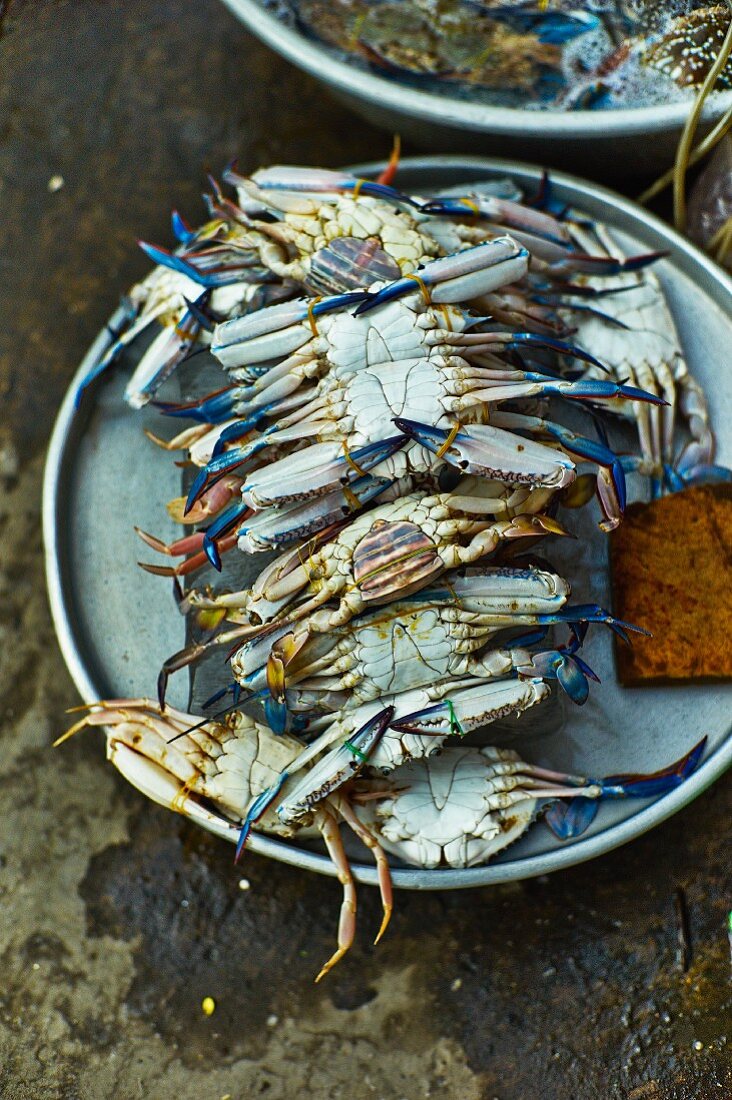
(256, 950)
(571, 980)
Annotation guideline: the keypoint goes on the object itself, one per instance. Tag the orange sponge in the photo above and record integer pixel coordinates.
(671, 565)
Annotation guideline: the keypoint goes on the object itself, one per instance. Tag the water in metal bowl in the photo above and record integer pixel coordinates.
(442, 115)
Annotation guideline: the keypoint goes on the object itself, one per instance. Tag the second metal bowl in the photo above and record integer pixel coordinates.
(607, 144)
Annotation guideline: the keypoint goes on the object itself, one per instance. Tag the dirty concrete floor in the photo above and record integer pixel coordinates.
(117, 918)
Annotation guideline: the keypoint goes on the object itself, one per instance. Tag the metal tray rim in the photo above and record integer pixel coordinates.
(58, 457)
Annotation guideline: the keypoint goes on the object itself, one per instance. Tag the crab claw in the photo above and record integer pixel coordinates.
(240, 428)
(181, 229)
(709, 474)
(461, 276)
(219, 467)
(515, 340)
(603, 265)
(257, 809)
(274, 332)
(335, 768)
(292, 189)
(563, 666)
(611, 481)
(212, 409)
(568, 819)
(119, 336)
(596, 389)
(473, 707)
(222, 525)
(169, 348)
(553, 28)
(505, 212)
(316, 470)
(586, 613)
(219, 276)
(492, 452)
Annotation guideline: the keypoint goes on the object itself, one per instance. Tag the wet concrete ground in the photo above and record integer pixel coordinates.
(117, 918)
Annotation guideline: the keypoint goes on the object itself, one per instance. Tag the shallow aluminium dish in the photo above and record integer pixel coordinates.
(608, 144)
(116, 624)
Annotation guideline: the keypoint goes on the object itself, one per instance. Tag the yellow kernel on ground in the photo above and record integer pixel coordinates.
(208, 1004)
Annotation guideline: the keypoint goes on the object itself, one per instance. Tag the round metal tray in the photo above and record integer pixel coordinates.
(116, 624)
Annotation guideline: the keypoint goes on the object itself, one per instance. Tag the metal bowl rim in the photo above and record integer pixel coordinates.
(415, 878)
(441, 110)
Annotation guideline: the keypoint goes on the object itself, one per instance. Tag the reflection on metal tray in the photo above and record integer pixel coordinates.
(116, 623)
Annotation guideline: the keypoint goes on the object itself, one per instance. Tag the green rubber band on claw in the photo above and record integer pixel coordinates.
(455, 727)
(356, 752)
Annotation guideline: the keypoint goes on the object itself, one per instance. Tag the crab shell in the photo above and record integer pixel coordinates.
(457, 809)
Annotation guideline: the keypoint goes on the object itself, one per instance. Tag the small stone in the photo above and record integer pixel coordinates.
(456, 984)
(185, 903)
(55, 184)
(549, 972)
(244, 884)
(272, 1021)
(698, 1044)
(208, 1005)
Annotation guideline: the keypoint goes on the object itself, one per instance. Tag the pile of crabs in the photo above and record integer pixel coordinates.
(390, 420)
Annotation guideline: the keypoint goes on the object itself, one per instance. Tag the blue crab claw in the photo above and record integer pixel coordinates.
(678, 478)
(221, 526)
(459, 277)
(276, 713)
(545, 199)
(181, 229)
(275, 332)
(517, 340)
(594, 451)
(120, 336)
(596, 389)
(573, 679)
(219, 467)
(213, 409)
(487, 451)
(570, 672)
(257, 809)
(166, 258)
(568, 819)
(582, 614)
(604, 265)
(233, 689)
(241, 427)
(335, 768)
(505, 212)
(318, 469)
(205, 320)
(210, 279)
(309, 182)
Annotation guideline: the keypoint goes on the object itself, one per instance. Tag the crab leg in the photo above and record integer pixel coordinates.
(382, 865)
(326, 823)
